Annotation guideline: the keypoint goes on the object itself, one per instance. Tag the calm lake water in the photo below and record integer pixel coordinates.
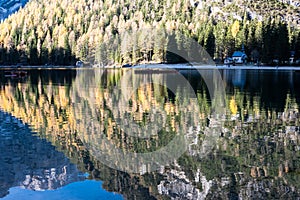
(59, 131)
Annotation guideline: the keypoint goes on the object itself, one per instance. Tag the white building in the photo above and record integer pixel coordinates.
(239, 57)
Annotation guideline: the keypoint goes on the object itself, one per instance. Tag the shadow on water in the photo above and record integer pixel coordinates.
(34, 76)
(271, 85)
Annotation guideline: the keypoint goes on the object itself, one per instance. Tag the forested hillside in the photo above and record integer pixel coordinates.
(61, 32)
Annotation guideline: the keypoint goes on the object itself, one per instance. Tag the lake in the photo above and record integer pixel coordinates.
(150, 134)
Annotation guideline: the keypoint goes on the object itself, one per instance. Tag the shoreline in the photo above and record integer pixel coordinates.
(195, 66)
(158, 66)
(14, 68)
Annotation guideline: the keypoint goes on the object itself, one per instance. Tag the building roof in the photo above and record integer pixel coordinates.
(238, 54)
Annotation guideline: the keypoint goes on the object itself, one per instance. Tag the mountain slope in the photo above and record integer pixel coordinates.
(8, 7)
(287, 11)
(60, 32)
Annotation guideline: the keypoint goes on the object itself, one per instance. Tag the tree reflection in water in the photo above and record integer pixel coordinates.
(256, 156)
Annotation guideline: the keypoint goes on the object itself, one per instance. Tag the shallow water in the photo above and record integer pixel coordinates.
(64, 130)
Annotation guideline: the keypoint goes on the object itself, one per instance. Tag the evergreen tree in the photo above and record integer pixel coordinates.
(297, 46)
(282, 44)
(210, 44)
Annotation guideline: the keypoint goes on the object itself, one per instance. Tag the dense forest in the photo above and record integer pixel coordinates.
(94, 31)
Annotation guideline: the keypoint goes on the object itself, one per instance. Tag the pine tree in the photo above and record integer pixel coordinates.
(210, 44)
(282, 44)
(297, 46)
